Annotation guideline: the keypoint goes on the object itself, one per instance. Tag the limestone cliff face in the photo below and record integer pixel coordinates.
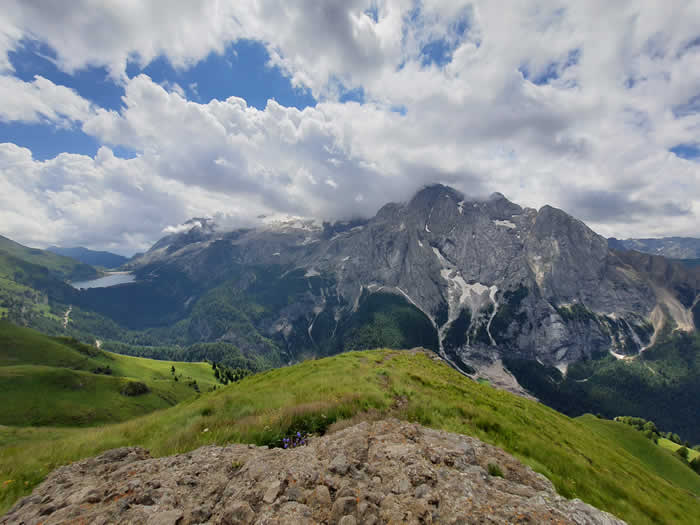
(492, 277)
(385, 472)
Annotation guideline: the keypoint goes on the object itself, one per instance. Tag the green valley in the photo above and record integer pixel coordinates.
(661, 384)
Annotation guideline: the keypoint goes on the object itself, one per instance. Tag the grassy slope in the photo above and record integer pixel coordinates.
(671, 446)
(581, 459)
(77, 397)
(58, 265)
(10, 289)
(656, 458)
(34, 368)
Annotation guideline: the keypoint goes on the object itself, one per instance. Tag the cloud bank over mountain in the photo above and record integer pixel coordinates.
(594, 108)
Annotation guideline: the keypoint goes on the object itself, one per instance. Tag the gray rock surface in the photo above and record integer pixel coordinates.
(384, 472)
(534, 284)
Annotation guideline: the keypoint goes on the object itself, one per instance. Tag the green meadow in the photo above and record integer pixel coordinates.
(48, 381)
(604, 463)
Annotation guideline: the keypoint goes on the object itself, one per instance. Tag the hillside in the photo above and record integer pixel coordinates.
(93, 258)
(661, 384)
(61, 382)
(580, 456)
(33, 288)
(59, 266)
(670, 445)
(655, 457)
(682, 248)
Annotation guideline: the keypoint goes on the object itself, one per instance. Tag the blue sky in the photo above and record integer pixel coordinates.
(116, 122)
(241, 71)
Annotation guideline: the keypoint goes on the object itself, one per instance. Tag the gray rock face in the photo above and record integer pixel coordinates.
(397, 473)
(494, 279)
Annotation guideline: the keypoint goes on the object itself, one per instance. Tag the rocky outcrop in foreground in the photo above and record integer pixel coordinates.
(384, 472)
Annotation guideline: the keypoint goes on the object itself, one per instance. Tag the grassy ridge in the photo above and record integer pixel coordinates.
(583, 457)
(20, 345)
(670, 445)
(58, 381)
(23, 346)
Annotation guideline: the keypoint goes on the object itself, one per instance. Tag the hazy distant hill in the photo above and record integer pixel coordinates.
(671, 247)
(91, 257)
(58, 265)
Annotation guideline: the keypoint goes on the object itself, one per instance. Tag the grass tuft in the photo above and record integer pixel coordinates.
(495, 470)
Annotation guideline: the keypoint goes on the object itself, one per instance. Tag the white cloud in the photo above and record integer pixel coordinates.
(571, 104)
(40, 101)
(103, 202)
(174, 87)
(277, 155)
(177, 228)
(111, 32)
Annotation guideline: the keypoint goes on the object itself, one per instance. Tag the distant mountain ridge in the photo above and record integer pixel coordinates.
(59, 266)
(671, 247)
(93, 258)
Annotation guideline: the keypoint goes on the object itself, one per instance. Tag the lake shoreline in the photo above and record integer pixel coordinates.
(106, 280)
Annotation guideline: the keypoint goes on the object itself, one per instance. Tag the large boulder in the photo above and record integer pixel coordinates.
(384, 472)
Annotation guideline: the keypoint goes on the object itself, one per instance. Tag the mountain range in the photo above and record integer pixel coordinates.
(487, 278)
(684, 248)
(532, 301)
(93, 258)
(54, 265)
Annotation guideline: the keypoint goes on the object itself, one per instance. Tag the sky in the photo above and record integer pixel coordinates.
(122, 119)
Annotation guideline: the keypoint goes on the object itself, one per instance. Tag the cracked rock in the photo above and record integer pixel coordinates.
(307, 484)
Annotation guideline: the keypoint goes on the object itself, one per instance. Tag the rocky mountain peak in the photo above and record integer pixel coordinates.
(431, 195)
(490, 277)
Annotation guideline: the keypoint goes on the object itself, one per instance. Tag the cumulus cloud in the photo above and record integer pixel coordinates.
(104, 202)
(572, 104)
(112, 32)
(40, 101)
